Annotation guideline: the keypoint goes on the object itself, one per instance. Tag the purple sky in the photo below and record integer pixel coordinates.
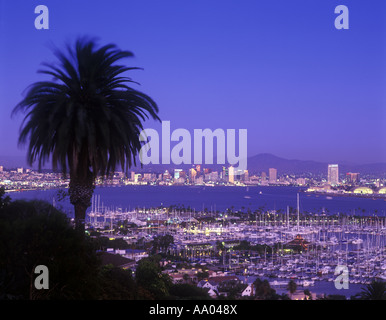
(302, 88)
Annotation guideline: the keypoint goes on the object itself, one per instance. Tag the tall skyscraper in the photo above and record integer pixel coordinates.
(272, 175)
(246, 175)
(192, 173)
(224, 173)
(333, 174)
(231, 174)
(177, 173)
(1, 168)
(352, 177)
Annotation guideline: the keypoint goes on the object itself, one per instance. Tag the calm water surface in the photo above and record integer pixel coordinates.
(219, 198)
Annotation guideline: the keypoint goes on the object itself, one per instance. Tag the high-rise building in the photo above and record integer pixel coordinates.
(333, 174)
(246, 175)
(207, 170)
(272, 175)
(166, 175)
(192, 173)
(231, 174)
(224, 173)
(213, 176)
(352, 177)
(1, 169)
(182, 174)
(137, 177)
(177, 173)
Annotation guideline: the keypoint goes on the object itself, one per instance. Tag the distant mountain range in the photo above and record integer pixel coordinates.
(264, 161)
(256, 164)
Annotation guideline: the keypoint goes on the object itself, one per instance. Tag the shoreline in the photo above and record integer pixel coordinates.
(301, 189)
(345, 195)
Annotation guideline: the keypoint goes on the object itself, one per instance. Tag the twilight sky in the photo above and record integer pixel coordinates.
(280, 69)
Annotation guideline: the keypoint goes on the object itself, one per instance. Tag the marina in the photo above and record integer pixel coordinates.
(297, 247)
(277, 245)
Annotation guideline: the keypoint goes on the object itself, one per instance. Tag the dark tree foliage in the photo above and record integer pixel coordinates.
(35, 233)
(263, 291)
(150, 278)
(232, 288)
(162, 243)
(4, 200)
(376, 290)
(116, 284)
(187, 291)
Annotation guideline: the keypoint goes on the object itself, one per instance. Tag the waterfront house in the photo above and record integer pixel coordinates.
(183, 275)
(207, 284)
(212, 293)
(212, 287)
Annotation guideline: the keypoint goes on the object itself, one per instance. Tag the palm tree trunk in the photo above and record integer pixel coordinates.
(80, 216)
(81, 191)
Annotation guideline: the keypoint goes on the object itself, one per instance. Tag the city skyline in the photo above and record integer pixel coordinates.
(349, 184)
(301, 88)
(14, 162)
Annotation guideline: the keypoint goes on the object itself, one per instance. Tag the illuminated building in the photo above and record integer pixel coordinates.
(382, 190)
(363, 190)
(207, 170)
(177, 173)
(231, 174)
(137, 177)
(182, 174)
(166, 175)
(224, 173)
(333, 174)
(352, 177)
(246, 175)
(192, 173)
(272, 175)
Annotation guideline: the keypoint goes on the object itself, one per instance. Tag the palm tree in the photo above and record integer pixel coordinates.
(291, 287)
(308, 295)
(87, 119)
(376, 290)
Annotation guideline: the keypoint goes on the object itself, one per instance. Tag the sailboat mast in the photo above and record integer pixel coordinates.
(298, 210)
